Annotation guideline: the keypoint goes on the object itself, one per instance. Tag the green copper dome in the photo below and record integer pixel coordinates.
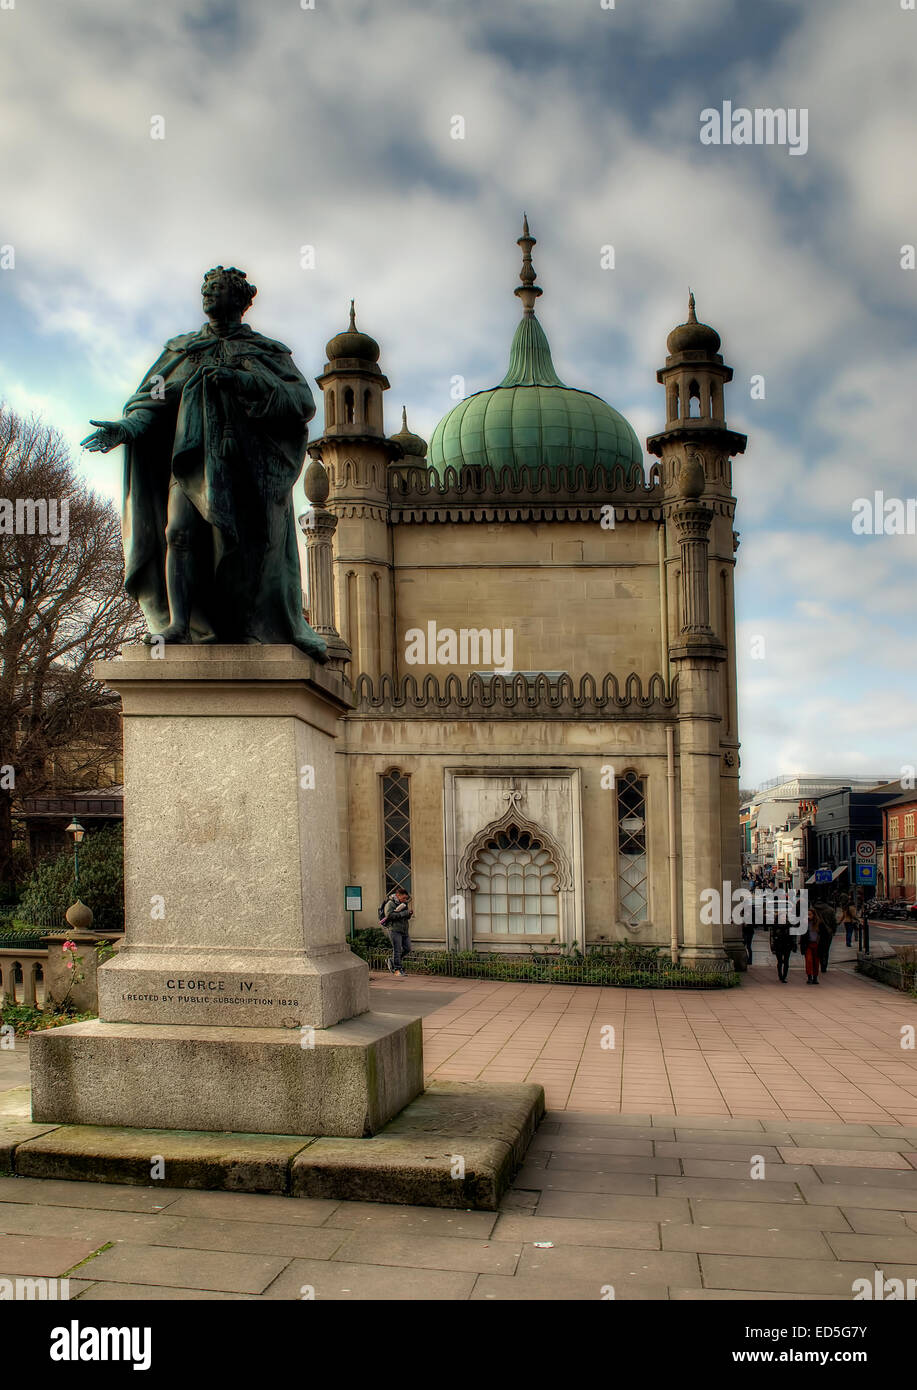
(532, 419)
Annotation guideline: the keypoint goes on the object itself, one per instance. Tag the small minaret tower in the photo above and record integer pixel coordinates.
(356, 455)
(695, 451)
(412, 446)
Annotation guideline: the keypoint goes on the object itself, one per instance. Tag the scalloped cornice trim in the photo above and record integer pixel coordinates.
(476, 695)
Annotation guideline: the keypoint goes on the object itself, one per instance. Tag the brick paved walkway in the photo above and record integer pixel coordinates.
(706, 1156)
(764, 1050)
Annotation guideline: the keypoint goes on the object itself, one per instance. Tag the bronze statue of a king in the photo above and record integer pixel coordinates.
(214, 439)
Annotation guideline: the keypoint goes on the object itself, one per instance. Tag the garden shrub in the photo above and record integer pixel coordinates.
(51, 888)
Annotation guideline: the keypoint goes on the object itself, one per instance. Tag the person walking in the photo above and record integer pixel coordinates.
(827, 928)
(783, 944)
(848, 920)
(810, 946)
(397, 916)
(748, 936)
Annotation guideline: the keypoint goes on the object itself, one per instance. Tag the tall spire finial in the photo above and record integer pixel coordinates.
(528, 291)
(353, 319)
(404, 417)
(692, 316)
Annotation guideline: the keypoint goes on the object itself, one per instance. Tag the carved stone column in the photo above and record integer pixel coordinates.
(318, 526)
(692, 522)
(697, 655)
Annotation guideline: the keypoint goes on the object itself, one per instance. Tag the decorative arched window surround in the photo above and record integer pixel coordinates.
(547, 803)
(534, 909)
(511, 816)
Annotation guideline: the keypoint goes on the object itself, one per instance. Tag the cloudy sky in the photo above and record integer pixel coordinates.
(331, 127)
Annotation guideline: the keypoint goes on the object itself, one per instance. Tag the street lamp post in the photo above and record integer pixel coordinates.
(78, 914)
(77, 831)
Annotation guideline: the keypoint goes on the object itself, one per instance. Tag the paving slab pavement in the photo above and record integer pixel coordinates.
(560, 1234)
(762, 1054)
(757, 1143)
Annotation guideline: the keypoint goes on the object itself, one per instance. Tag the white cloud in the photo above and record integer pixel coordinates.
(331, 128)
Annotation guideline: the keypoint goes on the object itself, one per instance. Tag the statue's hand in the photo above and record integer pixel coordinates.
(109, 435)
(220, 376)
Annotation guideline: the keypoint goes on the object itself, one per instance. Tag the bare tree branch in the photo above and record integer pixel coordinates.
(62, 608)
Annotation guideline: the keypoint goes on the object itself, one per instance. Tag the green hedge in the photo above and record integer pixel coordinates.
(51, 888)
(626, 966)
(899, 971)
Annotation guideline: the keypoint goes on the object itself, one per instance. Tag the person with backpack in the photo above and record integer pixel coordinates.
(394, 917)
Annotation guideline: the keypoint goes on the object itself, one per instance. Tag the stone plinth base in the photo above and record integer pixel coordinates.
(711, 958)
(456, 1146)
(231, 987)
(348, 1080)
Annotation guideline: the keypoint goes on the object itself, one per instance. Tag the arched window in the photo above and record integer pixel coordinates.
(515, 882)
(348, 406)
(367, 406)
(632, 886)
(396, 830)
(694, 401)
(329, 410)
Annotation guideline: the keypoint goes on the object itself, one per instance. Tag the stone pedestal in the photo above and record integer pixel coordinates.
(235, 964)
(348, 1083)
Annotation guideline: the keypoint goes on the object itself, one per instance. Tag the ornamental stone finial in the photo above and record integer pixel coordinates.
(316, 483)
(528, 291)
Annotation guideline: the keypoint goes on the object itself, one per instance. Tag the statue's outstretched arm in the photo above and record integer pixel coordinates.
(111, 433)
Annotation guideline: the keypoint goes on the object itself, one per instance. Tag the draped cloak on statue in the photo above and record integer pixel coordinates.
(236, 448)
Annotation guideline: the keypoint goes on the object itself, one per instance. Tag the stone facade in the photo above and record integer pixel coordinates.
(590, 709)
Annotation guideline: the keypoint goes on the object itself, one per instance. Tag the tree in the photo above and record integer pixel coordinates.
(62, 608)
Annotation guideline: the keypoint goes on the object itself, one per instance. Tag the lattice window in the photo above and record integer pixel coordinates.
(515, 887)
(396, 823)
(632, 892)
